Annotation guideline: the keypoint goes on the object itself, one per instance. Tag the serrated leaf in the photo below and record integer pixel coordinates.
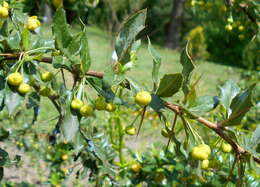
(84, 53)
(70, 126)
(227, 93)
(61, 30)
(170, 85)
(240, 105)
(128, 33)
(188, 66)
(156, 64)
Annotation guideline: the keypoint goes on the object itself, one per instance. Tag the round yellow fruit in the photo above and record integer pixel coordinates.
(15, 79)
(241, 28)
(57, 3)
(228, 27)
(130, 130)
(33, 23)
(6, 5)
(143, 98)
(205, 164)
(3, 12)
(45, 91)
(86, 110)
(24, 88)
(46, 76)
(226, 148)
(76, 104)
(206, 148)
(136, 167)
(100, 103)
(199, 154)
(64, 157)
(110, 107)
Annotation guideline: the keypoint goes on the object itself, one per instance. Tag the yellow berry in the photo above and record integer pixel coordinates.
(15, 79)
(199, 154)
(24, 88)
(46, 76)
(57, 3)
(205, 164)
(136, 167)
(3, 12)
(64, 157)
(86, 110)
(33, 23)
(110, 107)
(241, 28)
(76, 104)
(6, 5)
(130, 130)
(206, 148)
(228, 27)
(143, 98)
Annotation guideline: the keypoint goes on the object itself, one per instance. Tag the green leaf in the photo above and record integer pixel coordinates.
(12, 101)
(240, 105)
(255, 138)
(60, 62)
(84, 53)
(70, 126)
(188, 67)
(169, 85)
(227, 93)
(156, 64)
(4, 29)
(157, 103)
(61, 30)
(78, 142)
(25, 39)
(33, 100)
(128, 33)
(2, 90)
(203, 104)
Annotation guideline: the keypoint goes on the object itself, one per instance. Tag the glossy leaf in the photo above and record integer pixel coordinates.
(240, 105)
(203, 104)
(170, 85)
(84, 52)
(70, 126)
(12, 101)
(227, 93)
(188, 66)
(156, 64)
(61, 30)
(157, 103)
(128, 33)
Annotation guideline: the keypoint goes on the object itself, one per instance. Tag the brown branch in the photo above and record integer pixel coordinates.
(219, 129)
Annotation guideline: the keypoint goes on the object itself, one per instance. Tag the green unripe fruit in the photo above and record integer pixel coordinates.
(228, 27)
(24, 88)
(45, 91)
(46, 76)
(159, 177)
(76, 104)
(100, 103)
(205, 164)
(241, 28)
(130, 130)
(86, 110)
(143, 98)
(57, 3)
(15, 79)
(226, 148)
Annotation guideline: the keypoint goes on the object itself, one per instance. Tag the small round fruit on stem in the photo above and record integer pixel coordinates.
(86, 110)
(205, 164)
(143, 98)
(136, 167)
(45, 91)
(130, 130)
(33, 23)
(110, 107)
(46, 76)
(199, 153)
(226, 148)
(76, 104)
(24, 88)
(64, 157)
(3, 12)
(15, 79)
